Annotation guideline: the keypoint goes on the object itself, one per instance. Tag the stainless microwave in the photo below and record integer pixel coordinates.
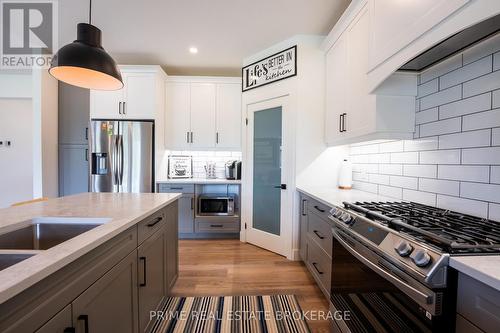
(216, 205)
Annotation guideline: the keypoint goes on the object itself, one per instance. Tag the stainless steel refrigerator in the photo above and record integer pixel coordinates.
(122, 156)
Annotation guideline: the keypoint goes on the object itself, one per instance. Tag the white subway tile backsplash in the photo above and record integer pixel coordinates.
(447, 126)
(480, 138)
(391, 169)
(428, 88)
(466, 206)
(389, 191)
(494, 212)
(449, 187)
(420, 197)
(443, 97)
(486, 119)
(482, 84)
(442, 68)
(484, 156)
(390, 147)
(440, 157)
(428, 171)
(426, 116)
(404, 158)
(466, 106)
(470, 173)
(367, 187)
(468, 72)
(495, 136)
(454, 160)
(404, 182)
(430, 143)
(487, 47)
(495, 175)
(479, 191)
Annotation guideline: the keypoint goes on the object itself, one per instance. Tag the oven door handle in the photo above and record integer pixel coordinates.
(415, 294)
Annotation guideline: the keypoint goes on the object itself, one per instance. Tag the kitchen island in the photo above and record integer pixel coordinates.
(110, 275)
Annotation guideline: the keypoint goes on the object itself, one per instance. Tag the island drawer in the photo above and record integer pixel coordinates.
(150, 225)
(478, 303)
(176, 188)
(320, 266)
(320, 231)
(217, 227)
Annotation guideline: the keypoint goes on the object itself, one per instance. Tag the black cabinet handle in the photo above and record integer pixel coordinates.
(187, 137)
(120, 107)
(216, 225)
(318, 234)
(155, 222)
(282, 186)
(124, 110)
(69, 330)
(191, 137)
(176, 188)
(86, 133)
(319, 209)
(340, 122)
(192, 203)
(217, 138)
(344, 115)
(85, 320)
(86, 155)
(143, 284)
(304, 202)
(316, 268)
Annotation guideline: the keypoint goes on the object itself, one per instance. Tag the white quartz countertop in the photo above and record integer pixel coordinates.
(335, 196)
(198, 181)
(482, 268)
(122, 209)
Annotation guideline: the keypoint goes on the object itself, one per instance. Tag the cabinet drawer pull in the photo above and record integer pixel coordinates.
(143, 259)
(177, 188)
(155, 222)
(318, 234)
(187, 137)
(316, 268)
(216, 225)
(85, 320)
(120, 107)
(319, 209)
(304, 202)
(340, 123)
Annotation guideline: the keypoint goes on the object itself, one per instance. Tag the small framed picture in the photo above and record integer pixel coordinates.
(180, 166)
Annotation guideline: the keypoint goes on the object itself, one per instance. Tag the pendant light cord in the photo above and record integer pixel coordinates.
(90, 11)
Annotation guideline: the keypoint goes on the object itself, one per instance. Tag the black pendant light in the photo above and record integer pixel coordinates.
(84, 63)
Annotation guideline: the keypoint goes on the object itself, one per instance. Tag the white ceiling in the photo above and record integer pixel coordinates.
(224, 31)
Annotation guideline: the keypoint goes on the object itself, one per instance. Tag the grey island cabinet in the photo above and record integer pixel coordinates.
(112, 288)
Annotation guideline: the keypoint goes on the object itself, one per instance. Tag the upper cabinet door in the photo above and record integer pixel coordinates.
(139, 96)
(178, 117)
(336, 89)
(396, 23)
(106, 104)
(203, 115)
(228, 116)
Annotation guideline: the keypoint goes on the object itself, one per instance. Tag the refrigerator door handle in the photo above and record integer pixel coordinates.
(114, 161)
(120, 159)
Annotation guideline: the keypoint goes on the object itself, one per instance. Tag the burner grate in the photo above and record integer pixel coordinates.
(453, 232)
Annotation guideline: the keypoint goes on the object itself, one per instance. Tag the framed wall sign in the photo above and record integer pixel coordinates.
(276, 67)
(180, 166)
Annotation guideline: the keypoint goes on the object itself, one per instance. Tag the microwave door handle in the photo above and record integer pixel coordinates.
(415, 294)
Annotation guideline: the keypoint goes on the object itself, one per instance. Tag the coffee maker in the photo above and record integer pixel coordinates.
(233, 170)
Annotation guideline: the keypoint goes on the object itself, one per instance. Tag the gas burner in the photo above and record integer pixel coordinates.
(449, 231)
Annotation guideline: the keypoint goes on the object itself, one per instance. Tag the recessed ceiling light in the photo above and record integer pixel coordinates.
(193, 50)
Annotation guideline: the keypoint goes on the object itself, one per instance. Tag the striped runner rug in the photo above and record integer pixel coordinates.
(230, 314)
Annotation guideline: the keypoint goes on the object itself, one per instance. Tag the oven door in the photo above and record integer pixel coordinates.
(369, 294)
(216, 206)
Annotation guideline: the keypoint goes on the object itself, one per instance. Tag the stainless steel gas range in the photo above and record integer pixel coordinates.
(390, 268)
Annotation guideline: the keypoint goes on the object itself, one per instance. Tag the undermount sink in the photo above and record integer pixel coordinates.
(10, 259)
(45, 232)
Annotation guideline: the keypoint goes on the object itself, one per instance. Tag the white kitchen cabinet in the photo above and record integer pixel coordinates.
(396, 23)
(203, 113)
(138, 99)
(203, 133)
(228, 116)
(352, 113)
(178, 118)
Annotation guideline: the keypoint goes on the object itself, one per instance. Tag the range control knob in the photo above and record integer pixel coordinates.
(338, 213)
(421, 258)
(333, 211)
(346, 218)
(403, 248)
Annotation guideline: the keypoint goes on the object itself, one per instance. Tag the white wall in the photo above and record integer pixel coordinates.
(16, 124)
(454, 161)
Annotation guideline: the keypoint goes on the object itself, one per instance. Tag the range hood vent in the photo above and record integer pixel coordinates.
(454, 45)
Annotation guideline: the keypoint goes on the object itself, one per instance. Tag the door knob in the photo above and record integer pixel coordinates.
(282, 186)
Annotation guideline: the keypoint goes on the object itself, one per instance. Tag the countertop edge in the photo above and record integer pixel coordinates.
(22, 285)
(475, 272)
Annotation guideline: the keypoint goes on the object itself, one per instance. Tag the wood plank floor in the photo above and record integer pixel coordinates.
(230, 267)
